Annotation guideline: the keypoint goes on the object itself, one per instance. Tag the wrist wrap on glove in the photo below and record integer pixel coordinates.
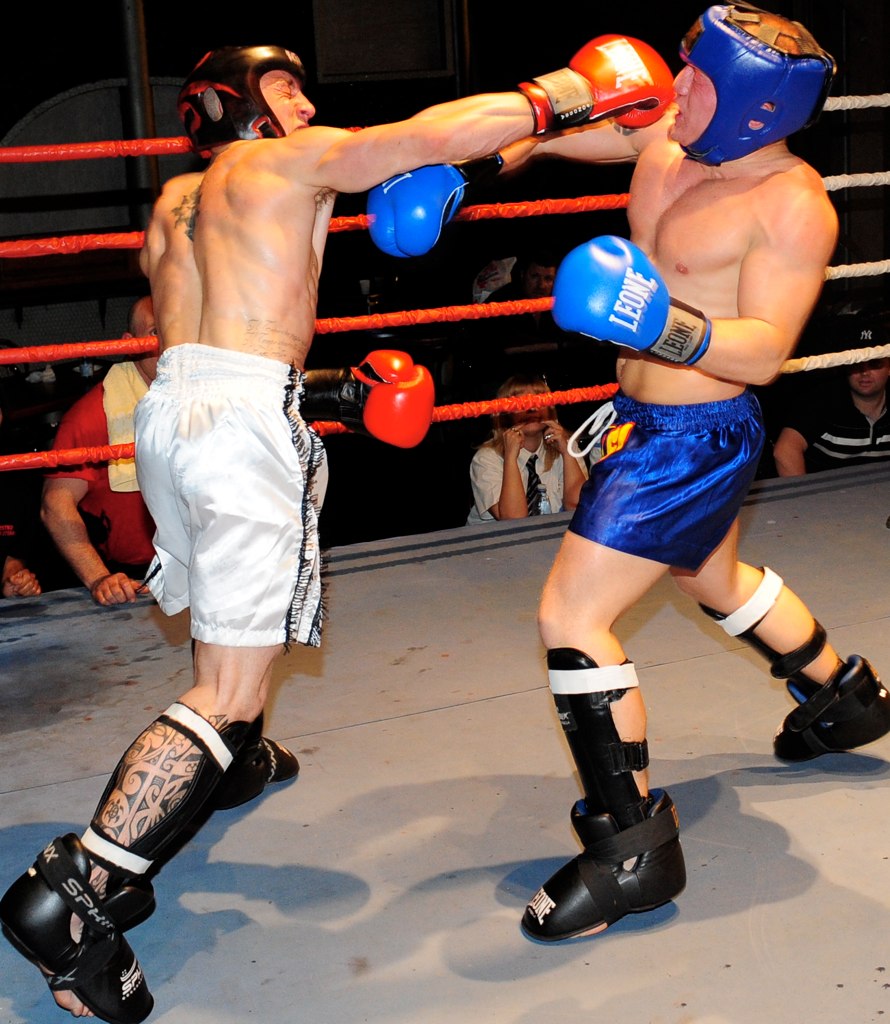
(610, 290)
(611, 77)
(407, 212)
(334, 394)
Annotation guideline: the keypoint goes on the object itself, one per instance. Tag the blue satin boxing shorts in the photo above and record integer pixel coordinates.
(672, 479)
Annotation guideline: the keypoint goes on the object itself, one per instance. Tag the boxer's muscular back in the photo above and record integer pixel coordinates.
(234, 254)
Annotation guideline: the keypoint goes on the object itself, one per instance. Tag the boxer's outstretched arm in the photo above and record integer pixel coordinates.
(611, 77)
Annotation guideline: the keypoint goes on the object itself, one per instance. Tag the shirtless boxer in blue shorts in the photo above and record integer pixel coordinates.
(731, 235)
(228, 467)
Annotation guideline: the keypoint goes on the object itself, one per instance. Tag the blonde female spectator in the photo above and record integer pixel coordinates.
(524, 468)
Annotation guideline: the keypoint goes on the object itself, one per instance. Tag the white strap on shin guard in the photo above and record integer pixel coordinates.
(593, 680)
(757, 605)
(120, 857)
(197, 724)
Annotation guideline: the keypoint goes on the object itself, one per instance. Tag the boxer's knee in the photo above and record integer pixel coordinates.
(802, 642)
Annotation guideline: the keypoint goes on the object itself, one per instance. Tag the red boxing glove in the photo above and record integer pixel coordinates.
(387, 396)
(611, 77)
(399, 405)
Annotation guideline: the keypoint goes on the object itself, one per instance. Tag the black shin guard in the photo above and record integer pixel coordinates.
(191, 757)
(743, 624)
(849, 710)
(161, 783)
(605, 764)
(99, 967)
(632, 860)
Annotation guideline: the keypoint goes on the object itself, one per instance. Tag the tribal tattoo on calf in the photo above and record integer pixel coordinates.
(154, 778)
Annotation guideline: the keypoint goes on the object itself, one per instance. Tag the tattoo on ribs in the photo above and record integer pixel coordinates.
(268, 330)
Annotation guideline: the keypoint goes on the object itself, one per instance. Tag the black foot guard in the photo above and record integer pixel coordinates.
(258, 765)
(850, 710)
(99, 968)
(596, 889)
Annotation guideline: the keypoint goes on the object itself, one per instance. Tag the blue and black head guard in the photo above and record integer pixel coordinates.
(770, 75)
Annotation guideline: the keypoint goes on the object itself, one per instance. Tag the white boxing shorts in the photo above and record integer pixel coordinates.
(233, 478)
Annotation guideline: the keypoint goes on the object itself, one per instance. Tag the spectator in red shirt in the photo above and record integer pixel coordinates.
(94, 511)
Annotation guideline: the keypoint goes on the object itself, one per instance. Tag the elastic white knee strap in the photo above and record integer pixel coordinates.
(192, 721)
(593, 680)
(122, 858)
(757, 605)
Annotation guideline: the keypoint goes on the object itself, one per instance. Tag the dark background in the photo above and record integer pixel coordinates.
(59, 45)
(372, 63)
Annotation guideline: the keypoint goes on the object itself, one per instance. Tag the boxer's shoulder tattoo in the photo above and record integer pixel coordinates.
(187, 212)
(623, 130)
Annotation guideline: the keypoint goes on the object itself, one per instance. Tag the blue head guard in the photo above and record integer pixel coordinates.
(221, 100)
(770, 75)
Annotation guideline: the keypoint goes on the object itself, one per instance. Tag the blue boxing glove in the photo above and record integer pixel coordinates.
(609, 290)
(407, 212)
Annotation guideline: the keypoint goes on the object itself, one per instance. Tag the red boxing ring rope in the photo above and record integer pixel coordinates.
(330, 325)
(486, 211)
(441, 414)
(377, 321)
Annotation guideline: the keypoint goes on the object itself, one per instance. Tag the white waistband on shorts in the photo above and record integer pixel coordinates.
(203, 369)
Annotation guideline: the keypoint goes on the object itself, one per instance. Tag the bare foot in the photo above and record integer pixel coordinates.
(69, 1001)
